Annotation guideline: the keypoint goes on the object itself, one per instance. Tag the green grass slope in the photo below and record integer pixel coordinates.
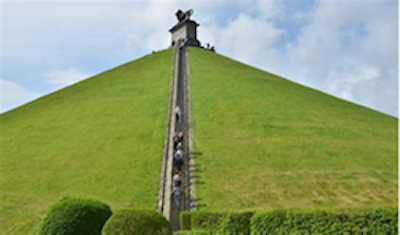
(264, 142)
(102, 138)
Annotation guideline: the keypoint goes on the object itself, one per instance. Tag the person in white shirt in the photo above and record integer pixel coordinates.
(179, 114)
(176, 179)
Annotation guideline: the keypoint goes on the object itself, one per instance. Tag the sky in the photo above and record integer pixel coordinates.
(346, 48)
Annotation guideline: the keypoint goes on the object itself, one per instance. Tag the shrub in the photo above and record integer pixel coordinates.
(379, 221)
(267, 222)
(193, 232)
(137, 222)
(237, 223)
(210, 221)
(184, 220)
(75, 216)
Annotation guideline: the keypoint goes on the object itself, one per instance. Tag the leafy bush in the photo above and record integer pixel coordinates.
(267, 222)
(184, 220)
(379, 221)
(75, 216)
(137, 222)
(193, 232)
(237, 223)
(210, 221)
(376, 221)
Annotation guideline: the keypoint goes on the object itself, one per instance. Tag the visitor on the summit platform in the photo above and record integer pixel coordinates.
(176, 192)
(182, 44)
(176, 179)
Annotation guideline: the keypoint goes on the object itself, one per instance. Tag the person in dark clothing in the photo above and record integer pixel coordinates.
(178, 160)
(177, 193)
(178, 114)
(182, 44)
(176, 141)
(179, 145)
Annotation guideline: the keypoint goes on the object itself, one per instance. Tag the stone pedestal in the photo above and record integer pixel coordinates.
(185, 30)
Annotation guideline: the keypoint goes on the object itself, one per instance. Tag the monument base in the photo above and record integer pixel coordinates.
(193, 42)
(185, 29)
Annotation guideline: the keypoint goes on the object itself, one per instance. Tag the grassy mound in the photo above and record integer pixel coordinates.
(135, 222)
(102, 138)
(265, 142)
(75, 216)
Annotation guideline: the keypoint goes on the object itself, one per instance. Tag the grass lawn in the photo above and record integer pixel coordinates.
(102, 138)
(263, 142)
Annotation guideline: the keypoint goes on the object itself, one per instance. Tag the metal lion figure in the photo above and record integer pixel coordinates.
(182, 16)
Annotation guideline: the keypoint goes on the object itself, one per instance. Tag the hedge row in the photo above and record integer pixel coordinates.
(199, 220)
(137, 222)
(378, 221)
(79, 216)
(75, 216)
(85, 216)
(193, 232)
(372, 221)
(237, 223)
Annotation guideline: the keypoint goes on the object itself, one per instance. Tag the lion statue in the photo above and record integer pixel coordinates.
(182, 16)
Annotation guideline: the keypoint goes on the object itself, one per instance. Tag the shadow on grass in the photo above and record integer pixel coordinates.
(200, 203)
(195, 173)
(197, 154)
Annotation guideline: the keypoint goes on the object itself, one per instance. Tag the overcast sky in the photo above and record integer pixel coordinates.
(347, 48)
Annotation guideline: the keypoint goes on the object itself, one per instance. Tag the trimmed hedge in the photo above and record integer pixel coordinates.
(378, 221)
(137, 222)
(75, 216)
(373, 221)
(203, 220)
(267, 222)
(237, 223)
(184, 220)
(193, 232)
